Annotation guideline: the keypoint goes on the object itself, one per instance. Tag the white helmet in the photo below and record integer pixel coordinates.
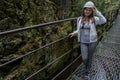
(89, 4)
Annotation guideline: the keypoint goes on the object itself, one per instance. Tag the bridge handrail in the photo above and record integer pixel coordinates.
(34, 26)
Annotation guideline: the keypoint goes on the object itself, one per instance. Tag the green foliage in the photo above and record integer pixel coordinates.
(102, 5)
(21, 13)
(79, 7)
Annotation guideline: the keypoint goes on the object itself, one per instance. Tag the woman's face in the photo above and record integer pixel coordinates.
(87, 11)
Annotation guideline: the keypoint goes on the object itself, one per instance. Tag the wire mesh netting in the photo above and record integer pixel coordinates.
(106, 58)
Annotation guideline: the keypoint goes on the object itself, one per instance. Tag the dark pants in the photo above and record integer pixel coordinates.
(87, 50)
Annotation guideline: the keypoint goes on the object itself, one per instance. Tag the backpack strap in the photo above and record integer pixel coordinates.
(78, 19)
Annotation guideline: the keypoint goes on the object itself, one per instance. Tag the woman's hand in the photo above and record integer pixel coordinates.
(71, 35)
(94, 8)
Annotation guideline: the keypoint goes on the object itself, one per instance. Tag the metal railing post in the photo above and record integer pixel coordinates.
(72, 25)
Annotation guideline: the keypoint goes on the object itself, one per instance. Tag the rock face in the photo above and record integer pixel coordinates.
(21, 13)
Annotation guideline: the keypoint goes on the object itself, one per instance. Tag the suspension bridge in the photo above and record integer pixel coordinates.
(106, 59)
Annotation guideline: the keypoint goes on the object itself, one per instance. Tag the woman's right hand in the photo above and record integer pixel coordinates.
(94, 8)
(71, 35)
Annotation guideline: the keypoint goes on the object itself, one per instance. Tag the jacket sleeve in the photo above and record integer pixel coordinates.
(99, 19)
(76, 31)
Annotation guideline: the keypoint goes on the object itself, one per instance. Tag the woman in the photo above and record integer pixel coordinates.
(86, 30)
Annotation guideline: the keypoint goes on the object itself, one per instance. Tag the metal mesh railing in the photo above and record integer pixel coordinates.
(106, 58)
(106, 61)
